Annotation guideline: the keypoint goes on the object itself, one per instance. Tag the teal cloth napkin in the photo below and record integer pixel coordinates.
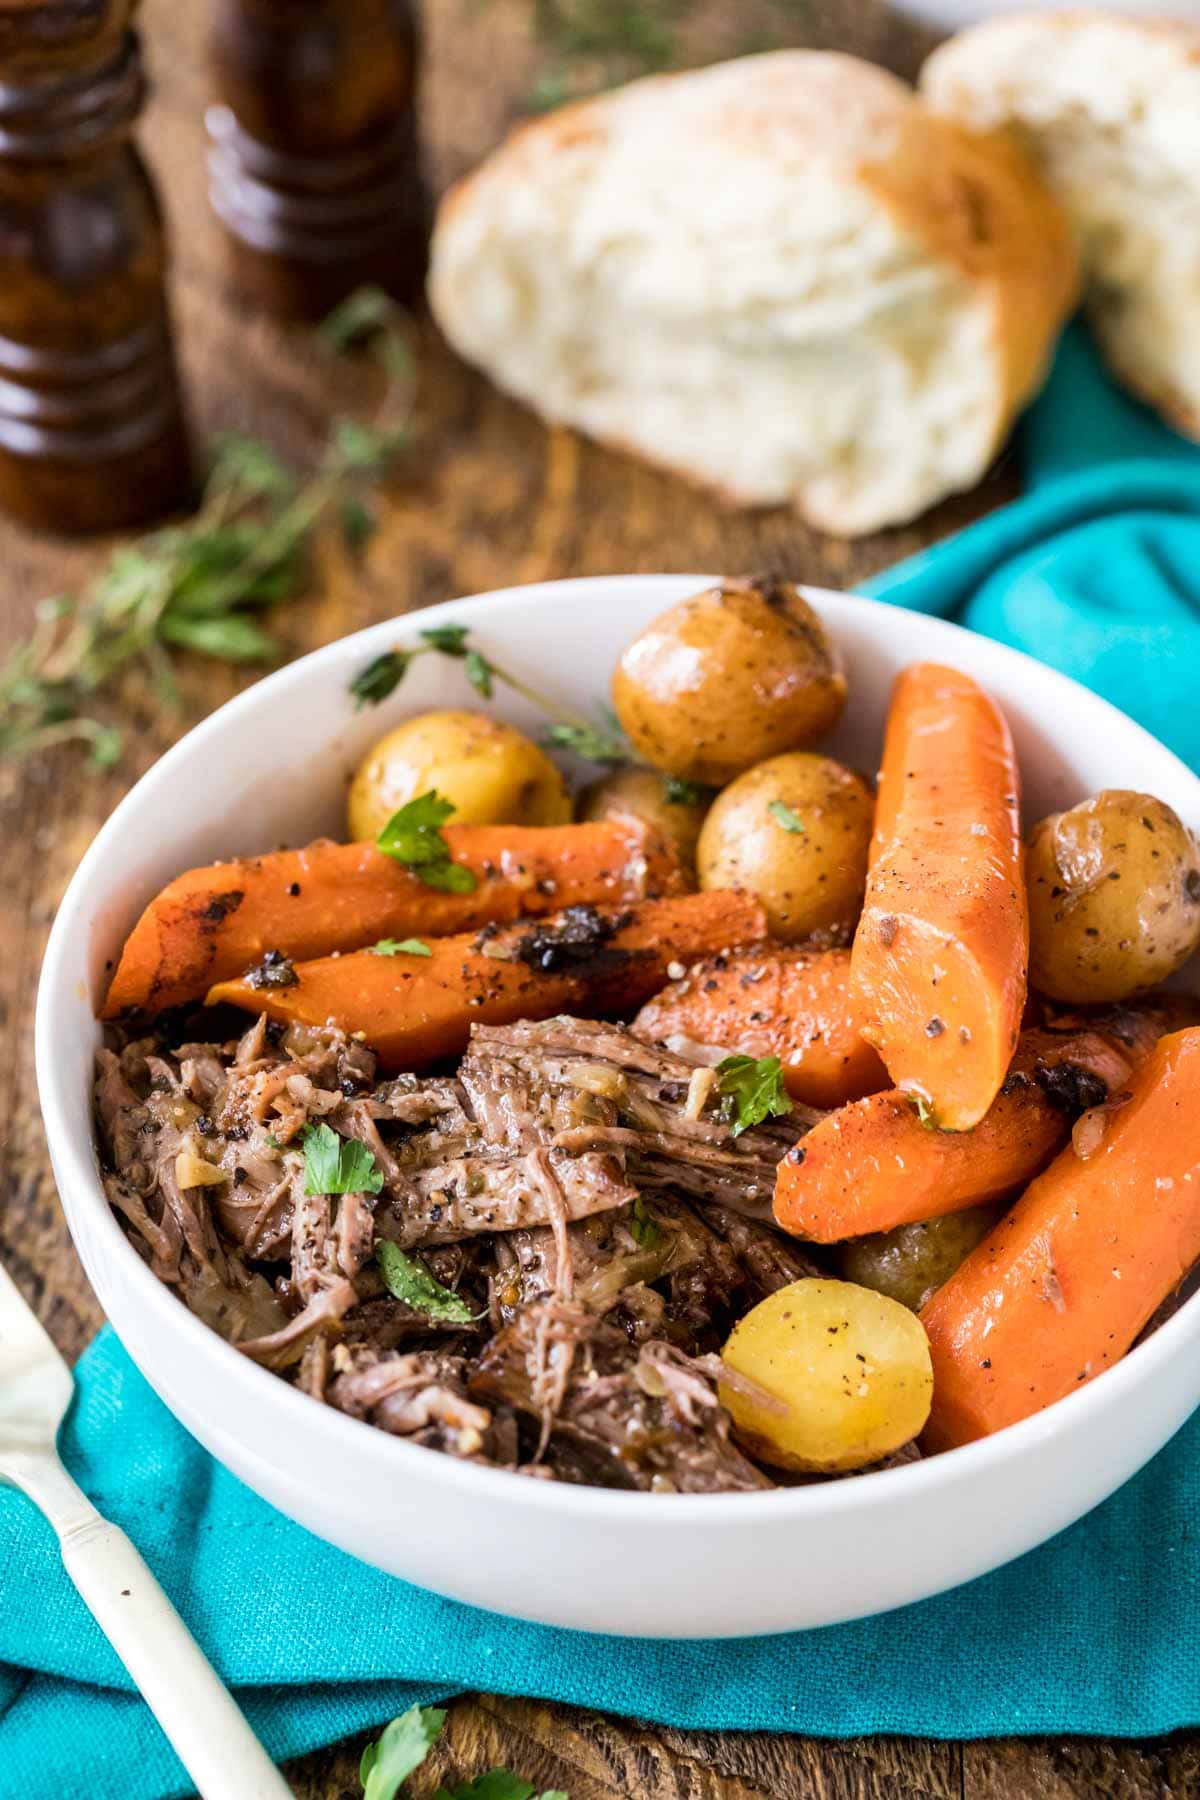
(1096, 570)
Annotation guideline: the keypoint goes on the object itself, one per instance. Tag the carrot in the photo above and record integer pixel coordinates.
(872, 1165)
(213, 923)
(1062, 1286)
(414, 1009)
(939, 958)
(791, 1003)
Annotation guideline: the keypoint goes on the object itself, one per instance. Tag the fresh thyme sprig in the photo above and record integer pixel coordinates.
(202, 585)
(598, 741)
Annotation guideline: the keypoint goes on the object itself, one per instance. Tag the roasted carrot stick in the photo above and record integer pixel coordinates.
(940, 955)
(212, 923)
(872, 1165)
(414, 1009)
(791, 1003)
(1062, 1286)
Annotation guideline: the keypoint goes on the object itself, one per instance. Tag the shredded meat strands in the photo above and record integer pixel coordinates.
(575, 1188)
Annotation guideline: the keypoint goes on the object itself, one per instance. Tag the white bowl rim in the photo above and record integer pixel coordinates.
(822, 1498)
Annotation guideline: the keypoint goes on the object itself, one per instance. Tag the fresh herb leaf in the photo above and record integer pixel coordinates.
(451, 640)
(361, 449)
(677, 792)
(643, 1226)
(194, 586)
(497, 1784)
(926, 1115)
(381, 677)
(247, 463)
(479, 673)
(401, 1749)
(401, 947)
(272, 1142)
(358, 317)
(414, 838)
(337, 1165)
(357, 523)
(410, 1281)
(592, 743)
(783, 815)
(752, 1090)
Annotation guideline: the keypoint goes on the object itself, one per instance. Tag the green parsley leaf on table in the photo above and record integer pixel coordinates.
(497, 1784)
(402, 1748)
(413, 837)
(783, 815)
(409, 1280)
(400, 947)
(752, 1090)
(337, 1165)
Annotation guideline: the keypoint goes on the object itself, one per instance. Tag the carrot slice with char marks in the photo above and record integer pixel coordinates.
(873, 1166)
(413, 1010)
(791, 1003)
(1062, 1286)
(213, 923)
(940, 956)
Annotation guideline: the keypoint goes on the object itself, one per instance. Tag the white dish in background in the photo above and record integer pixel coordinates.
(955, 15)
(271, 767)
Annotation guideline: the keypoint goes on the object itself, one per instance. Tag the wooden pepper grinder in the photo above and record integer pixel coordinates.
(314, 167)
(91, 424)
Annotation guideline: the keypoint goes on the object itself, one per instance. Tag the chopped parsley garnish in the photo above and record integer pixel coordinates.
(400, 947)
(337, 1165)
(409, 1280)
(751, 1090)
(643, 1226)
(406, 1742)
(925, 1112)
(677, 792)
(783, 815)
(413, 837)
(381, 677)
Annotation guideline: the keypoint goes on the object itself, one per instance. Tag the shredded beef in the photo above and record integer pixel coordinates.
(577, 1190)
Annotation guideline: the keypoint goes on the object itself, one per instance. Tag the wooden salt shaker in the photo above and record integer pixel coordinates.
(314, 167)
(91, 424)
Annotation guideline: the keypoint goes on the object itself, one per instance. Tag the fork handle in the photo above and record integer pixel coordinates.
(199, 1716)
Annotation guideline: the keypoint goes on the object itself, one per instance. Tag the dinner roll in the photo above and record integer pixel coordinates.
(1110, 108)
(782, 277)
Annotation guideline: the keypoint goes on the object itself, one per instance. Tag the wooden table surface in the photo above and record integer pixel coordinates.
(491, 498)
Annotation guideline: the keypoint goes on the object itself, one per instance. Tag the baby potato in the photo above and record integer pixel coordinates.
(913, 1261)
(493, 774)
(845, 1376)
(736, 673)
(1114, 897)
(674, 809)
(794, 831)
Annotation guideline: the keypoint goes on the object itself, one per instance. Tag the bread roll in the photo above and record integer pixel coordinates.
(782, 277)
(1110, 109)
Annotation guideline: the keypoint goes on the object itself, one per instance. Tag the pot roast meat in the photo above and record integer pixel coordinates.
(579, 1190)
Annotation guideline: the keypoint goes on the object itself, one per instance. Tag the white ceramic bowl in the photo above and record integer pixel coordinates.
(272, 766)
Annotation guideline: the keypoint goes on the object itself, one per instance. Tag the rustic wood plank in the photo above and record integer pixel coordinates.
(492, 499)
